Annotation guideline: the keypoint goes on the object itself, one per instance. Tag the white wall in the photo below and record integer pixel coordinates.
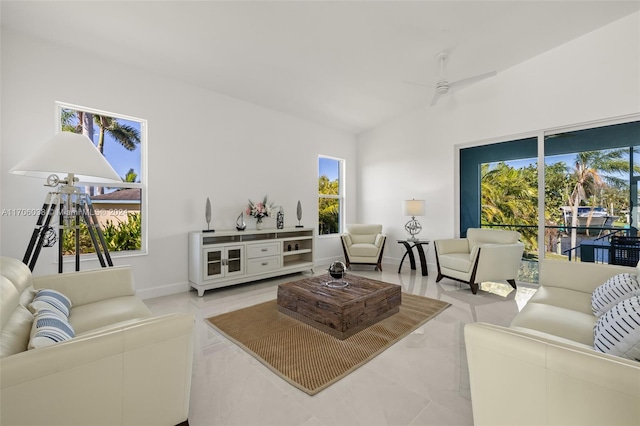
(594, 77)
(201, 144)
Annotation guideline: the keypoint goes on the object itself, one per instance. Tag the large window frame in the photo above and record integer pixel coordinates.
(340, 196)
(464, 213)
(139, 183)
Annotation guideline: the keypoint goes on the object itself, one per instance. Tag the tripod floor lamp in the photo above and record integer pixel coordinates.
(72, 155)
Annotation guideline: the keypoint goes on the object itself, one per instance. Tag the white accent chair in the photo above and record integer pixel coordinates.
(363, 245)
(486, 254)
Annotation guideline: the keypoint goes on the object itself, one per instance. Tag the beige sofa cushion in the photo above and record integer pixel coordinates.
(94, 315)
(563, 298)
(557, 321)
(15, 334)
(9, 298)
(16, 272)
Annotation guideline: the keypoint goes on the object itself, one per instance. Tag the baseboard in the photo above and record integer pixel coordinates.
(324, 263)
(165, 290)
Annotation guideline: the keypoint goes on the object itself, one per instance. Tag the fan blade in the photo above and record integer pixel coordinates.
(436, 96)
(471, 80)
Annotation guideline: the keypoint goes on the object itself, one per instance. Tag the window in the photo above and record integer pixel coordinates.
(120, 208)
(589, 195)
(330, 195)
(591, 191)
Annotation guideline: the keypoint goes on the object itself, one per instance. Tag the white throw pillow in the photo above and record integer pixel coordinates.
(617, 332)
(613, 291)
(51, 300)
(49, 327)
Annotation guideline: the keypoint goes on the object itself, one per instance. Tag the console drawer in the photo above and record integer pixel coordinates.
(262, 250)
(263, 264)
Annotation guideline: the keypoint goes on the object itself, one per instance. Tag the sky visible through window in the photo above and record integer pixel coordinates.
(329, 167)
(121, 159)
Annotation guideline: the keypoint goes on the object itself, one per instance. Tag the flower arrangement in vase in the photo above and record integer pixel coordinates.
(259, 211)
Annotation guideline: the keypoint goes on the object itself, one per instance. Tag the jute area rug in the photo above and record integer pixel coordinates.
(308, 358)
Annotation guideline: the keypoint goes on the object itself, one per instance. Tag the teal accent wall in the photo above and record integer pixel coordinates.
(606, 137)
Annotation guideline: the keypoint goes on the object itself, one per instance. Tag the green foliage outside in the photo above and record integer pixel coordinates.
(119, 236)
(328, 208)
(510, 195)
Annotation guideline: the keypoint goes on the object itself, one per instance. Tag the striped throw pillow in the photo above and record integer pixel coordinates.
(617, 332)
(613, 291)
(49, 327)
(46, 299)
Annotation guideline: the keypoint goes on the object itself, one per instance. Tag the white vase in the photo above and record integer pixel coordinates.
(259, 224)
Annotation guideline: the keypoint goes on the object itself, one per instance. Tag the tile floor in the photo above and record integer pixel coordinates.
(421, 380)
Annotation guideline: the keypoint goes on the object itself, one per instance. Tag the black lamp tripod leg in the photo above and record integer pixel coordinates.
(39, 233)
(92, 211)
(92, 234)
(36, 231)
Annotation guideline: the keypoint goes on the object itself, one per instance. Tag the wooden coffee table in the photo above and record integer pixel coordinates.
(340, 312)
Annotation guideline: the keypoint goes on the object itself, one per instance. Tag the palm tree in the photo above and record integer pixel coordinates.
(125, 135)
(328, 208)
(510, 197)
(589, 178)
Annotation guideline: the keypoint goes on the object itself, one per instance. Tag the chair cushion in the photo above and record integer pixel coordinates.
(87, 317)
(363, 250)
(617, 332)
(363, 238)
(613, 291)
(364, 233)
(456, 261)
(477, 236)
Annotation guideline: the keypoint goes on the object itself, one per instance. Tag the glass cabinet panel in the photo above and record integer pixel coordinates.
(214, 263)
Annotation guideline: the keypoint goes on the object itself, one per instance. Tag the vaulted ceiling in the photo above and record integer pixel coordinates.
(343, 64)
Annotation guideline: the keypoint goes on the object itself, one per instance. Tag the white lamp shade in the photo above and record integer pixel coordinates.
(413, 207)
(68, 153)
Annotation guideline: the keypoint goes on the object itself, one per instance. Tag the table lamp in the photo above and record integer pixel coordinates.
(413, 208)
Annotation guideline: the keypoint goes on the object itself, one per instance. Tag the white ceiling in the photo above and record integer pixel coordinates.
(339, 63)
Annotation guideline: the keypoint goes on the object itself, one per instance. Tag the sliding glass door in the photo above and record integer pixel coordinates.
(590, 191)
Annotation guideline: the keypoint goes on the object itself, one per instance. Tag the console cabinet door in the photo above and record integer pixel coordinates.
(234, 260)
(224, 261)
(213, 263)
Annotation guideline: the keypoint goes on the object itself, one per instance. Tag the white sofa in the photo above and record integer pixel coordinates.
(123, 367)
(485, 254)
(543, 369)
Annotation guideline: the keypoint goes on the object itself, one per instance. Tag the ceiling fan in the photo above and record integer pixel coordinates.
(443, 86)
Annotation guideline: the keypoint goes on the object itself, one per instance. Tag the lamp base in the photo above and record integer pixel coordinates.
(413, 227)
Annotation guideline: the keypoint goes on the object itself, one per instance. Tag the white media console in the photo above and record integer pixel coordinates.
(223, 258)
